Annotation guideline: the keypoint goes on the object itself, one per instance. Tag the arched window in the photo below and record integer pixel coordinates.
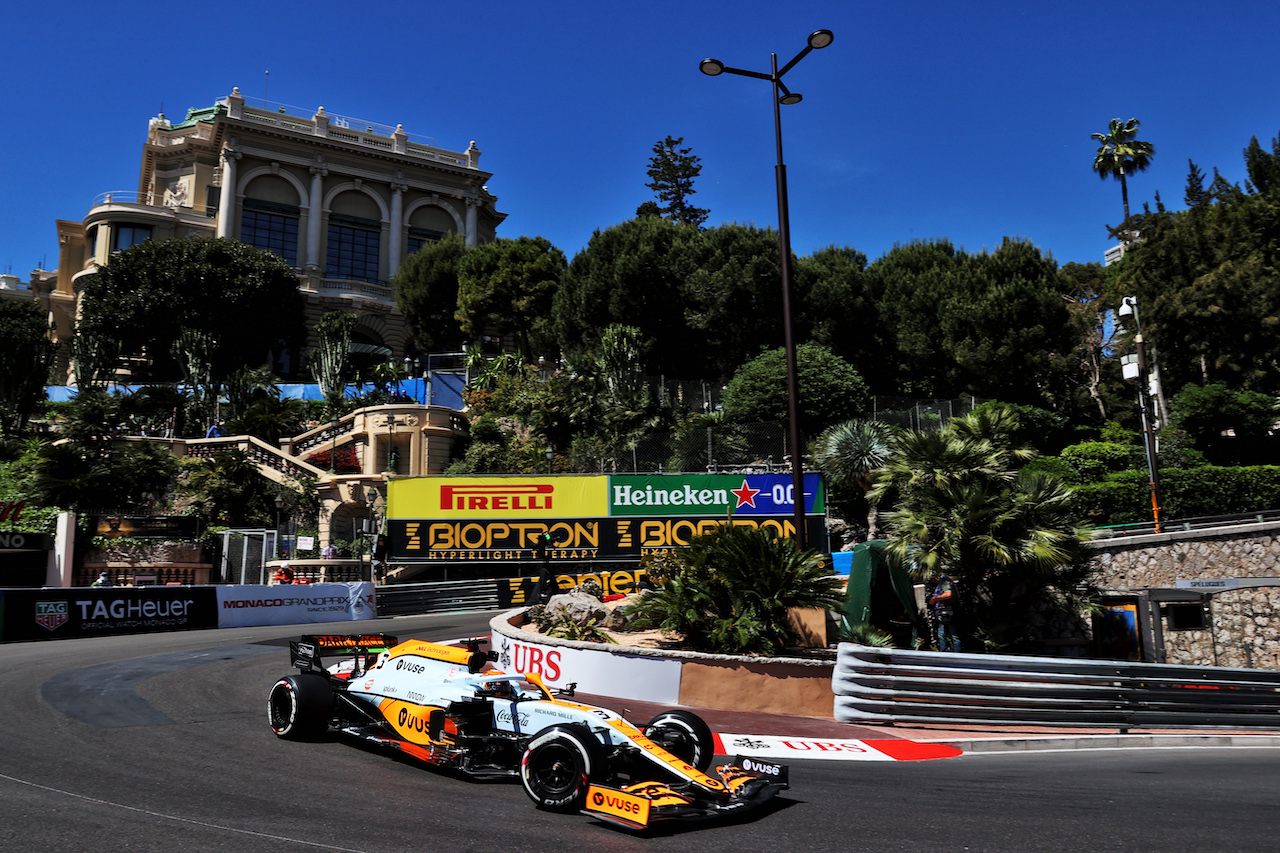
(269, 217)
(354, 244)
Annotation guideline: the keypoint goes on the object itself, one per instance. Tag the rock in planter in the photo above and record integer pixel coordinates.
(617, 619)
(576, 607)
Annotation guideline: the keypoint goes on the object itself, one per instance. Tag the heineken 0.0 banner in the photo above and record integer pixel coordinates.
(619, 517)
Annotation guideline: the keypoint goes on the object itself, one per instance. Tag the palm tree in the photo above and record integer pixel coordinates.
(851, 453)
(966, 507)
(1121, 154)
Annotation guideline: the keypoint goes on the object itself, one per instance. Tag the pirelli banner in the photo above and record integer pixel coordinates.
(595, 517)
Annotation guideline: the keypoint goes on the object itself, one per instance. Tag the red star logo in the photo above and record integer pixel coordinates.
(746, 495)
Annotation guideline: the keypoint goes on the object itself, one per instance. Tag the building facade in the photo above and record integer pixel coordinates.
(343, 201)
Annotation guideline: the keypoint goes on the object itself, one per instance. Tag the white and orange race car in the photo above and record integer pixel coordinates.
(438, 704)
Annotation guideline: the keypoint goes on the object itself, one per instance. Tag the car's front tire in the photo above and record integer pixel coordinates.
(558, 764)
(684, 735)
(300, 706)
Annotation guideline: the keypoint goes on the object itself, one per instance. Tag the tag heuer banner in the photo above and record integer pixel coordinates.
(596, 517)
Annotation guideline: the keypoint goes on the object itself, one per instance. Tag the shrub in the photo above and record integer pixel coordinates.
(1092, 461)
(732, 588)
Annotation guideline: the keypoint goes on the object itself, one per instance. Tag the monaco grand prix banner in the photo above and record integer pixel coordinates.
(292, 604)
(594, 517)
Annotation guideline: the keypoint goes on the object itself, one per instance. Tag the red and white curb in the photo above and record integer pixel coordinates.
(829, 749)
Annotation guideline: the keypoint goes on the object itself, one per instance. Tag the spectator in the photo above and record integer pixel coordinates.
(330, 552)
(284, 574)
(946, 601)
(102, 580)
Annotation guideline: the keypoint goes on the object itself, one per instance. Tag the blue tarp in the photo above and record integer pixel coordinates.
(446, 390)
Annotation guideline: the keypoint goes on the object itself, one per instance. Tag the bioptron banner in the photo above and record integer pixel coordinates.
(594, 517)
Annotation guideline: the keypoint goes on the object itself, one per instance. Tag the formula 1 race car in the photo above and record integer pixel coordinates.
(437, 704)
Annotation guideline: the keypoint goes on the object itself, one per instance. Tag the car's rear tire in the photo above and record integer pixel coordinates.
(558, 764)
(684, 735)
(300, 706)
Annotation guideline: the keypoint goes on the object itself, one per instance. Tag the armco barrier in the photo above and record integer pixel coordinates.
(410, 599)
(898, 686)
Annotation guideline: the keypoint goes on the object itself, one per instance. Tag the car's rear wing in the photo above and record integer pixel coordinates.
(307, 653)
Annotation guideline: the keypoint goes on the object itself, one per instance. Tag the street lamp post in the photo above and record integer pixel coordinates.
(392, 456)
(714, 68)
(1135, 367)
(279, 504)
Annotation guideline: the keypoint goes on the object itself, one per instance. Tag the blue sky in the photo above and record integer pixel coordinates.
(964, 120)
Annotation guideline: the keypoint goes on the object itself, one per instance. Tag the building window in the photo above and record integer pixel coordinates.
(124, 236)
(419, 237)
(352, 250)
(273, 227)
(92, 243)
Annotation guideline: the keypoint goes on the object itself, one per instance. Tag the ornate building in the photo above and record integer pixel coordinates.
(342, 200)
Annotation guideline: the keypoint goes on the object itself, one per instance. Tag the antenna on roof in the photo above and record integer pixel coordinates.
(266, 85)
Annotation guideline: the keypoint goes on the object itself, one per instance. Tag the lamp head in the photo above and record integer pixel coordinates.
(791, 98)
(711, 67)
(820, 39)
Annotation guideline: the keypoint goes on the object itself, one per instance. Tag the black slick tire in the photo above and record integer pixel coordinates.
(684, 735)
(558, 765)
(300, 706)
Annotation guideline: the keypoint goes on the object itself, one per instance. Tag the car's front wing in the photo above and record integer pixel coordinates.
(643, 804)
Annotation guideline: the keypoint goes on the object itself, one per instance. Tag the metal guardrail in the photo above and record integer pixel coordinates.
(898, 686)
(1182, 525)
(411, 599)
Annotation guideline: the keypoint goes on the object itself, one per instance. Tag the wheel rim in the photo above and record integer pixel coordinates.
(555, 770)
(675, 740)
(281, 705)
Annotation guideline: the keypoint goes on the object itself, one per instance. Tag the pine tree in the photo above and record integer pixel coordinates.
(672, 170)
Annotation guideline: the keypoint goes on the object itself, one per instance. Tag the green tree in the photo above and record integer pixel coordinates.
(246, 300)
(830, 390)
(836, 308)
(96, 469)
(26, 352)
(672, 170)
(992, 325)
(1228, 426)
(427, 294)
(964, 506)
(732, 296)
(1121, 154)
(634, 274)
(509, 285)
(227, 489)
(1205, 280)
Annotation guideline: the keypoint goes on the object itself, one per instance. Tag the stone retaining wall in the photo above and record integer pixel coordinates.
(1244, 624)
